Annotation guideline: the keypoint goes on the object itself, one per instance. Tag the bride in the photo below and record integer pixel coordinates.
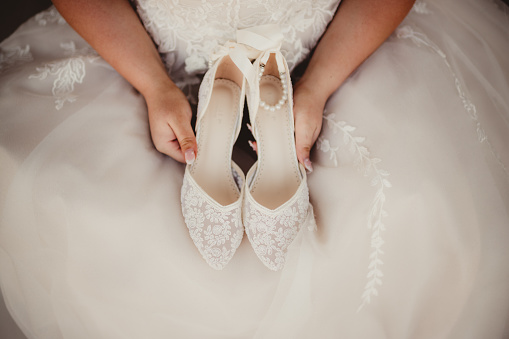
(401, 120)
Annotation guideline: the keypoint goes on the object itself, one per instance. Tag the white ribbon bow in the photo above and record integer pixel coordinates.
(252, 43)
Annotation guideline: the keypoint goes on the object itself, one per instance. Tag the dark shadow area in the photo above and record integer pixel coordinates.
(14, 13)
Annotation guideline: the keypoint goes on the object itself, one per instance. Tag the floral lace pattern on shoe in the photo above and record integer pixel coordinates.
(216, 230)
(272, 231)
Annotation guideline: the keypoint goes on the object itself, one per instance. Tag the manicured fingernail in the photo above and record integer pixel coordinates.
(308, 165)
(189, 155)
(252, 144)
(249, 128)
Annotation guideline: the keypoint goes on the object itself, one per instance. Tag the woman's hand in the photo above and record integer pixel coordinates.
(308, 111)
(356, 31)
(113, 29)
(169, 116)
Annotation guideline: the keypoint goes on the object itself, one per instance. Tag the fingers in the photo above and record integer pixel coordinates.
(172, 134)
(166, 142)
(170, 125)
(253, 145)
(186, 140)
(304, 140)
(308, 112)
(176, 139)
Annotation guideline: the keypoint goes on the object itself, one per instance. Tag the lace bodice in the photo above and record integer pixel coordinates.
(188, 31)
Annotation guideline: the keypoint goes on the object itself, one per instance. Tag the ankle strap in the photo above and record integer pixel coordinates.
(252, 43)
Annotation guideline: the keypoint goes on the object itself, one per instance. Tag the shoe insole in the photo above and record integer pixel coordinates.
(277, 177)
(212, 166)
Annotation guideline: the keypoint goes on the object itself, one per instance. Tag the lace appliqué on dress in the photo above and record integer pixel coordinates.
(10, 57)
(368, 165)
(294, 17)
(194, 30)
(420, 7)
(50, 16)
(420, 39)
(67, 72)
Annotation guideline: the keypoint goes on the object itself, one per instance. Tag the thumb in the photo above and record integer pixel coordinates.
(187, 141)
(303, 144)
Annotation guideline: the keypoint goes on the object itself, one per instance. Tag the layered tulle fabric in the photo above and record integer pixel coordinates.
(410, 194)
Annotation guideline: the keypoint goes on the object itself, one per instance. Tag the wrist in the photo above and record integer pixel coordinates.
(313, 88)
(157, 87)
(323, 78)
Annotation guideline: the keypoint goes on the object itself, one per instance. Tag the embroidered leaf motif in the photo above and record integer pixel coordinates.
(67, 72)
(49, 16)
(420, 39)
(378, 178)
(10, 57)
(420, 7)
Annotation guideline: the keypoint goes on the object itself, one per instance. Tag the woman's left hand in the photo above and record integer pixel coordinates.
(358, 28)
(308, 112)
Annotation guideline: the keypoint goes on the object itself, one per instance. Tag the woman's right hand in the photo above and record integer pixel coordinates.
(114, 30)
(169, 115)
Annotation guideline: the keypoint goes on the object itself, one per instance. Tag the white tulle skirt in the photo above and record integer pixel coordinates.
(410, 192)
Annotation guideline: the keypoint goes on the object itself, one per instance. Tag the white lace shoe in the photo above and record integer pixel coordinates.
(212, 193)
(216, 230)
(276, 200)
(271, 231)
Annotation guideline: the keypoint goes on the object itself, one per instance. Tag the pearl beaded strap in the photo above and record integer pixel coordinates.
(284, 97)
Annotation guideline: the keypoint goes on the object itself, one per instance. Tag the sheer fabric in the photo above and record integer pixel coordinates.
(410, 188)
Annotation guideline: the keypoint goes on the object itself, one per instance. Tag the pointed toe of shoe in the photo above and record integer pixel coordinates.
(216, 230)
(270, 232)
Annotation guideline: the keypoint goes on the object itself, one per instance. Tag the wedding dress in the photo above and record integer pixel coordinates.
(410, 187)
